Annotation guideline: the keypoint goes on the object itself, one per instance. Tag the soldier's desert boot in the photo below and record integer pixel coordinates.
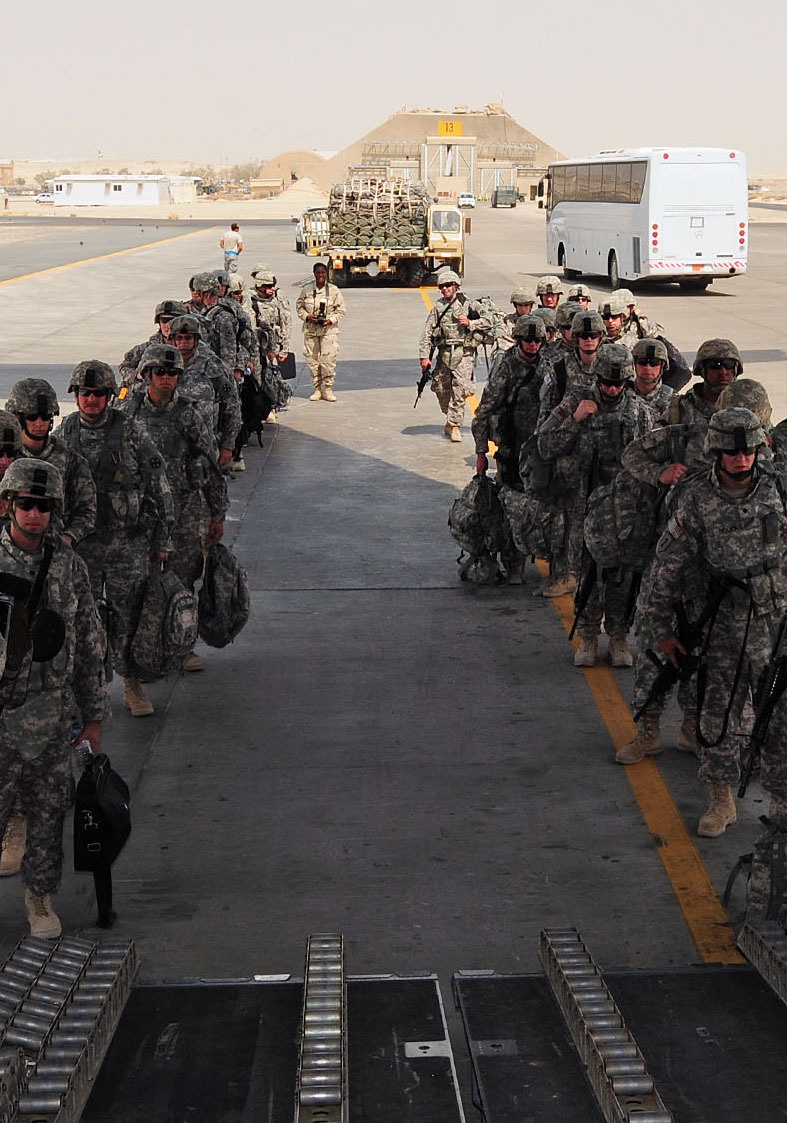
(135, 699)
(44, 921)
(328, 394)
(720, 813)
(560, 587)
(13, 850)
(316, 395)
(586, 655)
(618, 652)
(456, 434)
(447, 428)
(647, 742)
(686, 740)
(193, 662)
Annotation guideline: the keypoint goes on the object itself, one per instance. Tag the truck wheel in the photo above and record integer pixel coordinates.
(337, 276)
(612, 271)
(415, 274)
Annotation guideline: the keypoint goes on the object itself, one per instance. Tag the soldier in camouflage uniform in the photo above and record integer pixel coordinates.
(549, 291)
(581, 294)
(272, 317)
(189, 451)
(206, 301)
(35, 762)
(34, 403)
(666, 456)
(714, 538)
(450, 336)
(523, 299)
(507, 414)
(135, 518)
(248, 353)
(11, 445)
(166, 311)
(202, 370)
(650, 360)
(321, 309)
(592, 427)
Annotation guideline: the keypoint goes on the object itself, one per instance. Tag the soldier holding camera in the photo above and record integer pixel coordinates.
(321, 307)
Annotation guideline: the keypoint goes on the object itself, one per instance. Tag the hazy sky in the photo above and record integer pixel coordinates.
(226, 83)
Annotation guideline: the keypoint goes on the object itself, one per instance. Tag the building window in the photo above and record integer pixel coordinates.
(117, 186)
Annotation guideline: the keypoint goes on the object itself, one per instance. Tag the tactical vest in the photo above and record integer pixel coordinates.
(117, 493)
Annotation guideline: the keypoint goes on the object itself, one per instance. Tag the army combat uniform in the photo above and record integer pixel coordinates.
(454, 348)
(79, 503)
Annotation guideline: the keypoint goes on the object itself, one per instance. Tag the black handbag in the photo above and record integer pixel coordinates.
(102, 821)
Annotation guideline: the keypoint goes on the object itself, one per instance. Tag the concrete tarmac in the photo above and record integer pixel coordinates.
(383, 751)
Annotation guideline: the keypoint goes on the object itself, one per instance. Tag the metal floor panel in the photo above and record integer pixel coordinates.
(714, 1039)
(227, 1053)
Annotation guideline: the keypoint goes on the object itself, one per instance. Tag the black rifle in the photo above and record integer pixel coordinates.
(689, 636)
(769, 690)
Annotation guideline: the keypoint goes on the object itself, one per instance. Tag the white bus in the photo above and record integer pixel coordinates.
(678, 214)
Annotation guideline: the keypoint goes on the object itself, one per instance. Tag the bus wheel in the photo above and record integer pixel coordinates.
(571, 274)
(612, 271)
(698, 285)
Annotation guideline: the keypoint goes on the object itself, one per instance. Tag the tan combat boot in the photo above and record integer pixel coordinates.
(328, 394)
(455, 434)
(586, 655)
(447, 428)
(14, 841)
(44, 921)
(193, 662)
(560, 587)
(686, 740)
(647, 742)
(135, 699)
(316, 394)
(720, 813)
(618, 652)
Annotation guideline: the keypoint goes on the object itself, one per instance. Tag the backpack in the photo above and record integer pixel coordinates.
(477, 523)
(275, 388)
(224, 601)
(167, 627)
(621, 523)
(526, 522)
(766, 884)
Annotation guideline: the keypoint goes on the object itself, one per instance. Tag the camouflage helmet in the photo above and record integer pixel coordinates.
(565, 313)
(530, 328)
(237, 283)
(715, 349)
(650, 350)
(29, 476)
(33, 395)
(523, 295)
(547, 315)
(585, 321)
(613, 305)
(734, 430)
(448, 277)
(748, 394)
(222, 276)
(186, 325)
(260, 268)
(549, 284)
(94, 375)
(170, 308)
(263, 278)
(205, 283)
(161, 356)
(627, 295)
(613, 363)
(577, 291)
(10, 434)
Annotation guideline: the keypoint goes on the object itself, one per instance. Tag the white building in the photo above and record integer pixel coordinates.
(122, 190)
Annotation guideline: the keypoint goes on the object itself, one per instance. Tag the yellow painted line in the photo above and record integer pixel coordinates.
(103, 257)
(695, 892)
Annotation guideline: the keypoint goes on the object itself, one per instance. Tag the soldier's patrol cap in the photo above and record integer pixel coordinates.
(205, 282)
(549, 285)
(33, 395)
(586, 321)
(749, 394)
(264, 278)
(93, 374)
(161, 356)
(10, 434)
(613, 305)
(169, 308)
(613, 363)
(575, 291)
(530, 328)
(186, 325)
(649, 350)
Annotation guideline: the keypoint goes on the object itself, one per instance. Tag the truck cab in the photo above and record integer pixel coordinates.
(445, 237)
(504, 197)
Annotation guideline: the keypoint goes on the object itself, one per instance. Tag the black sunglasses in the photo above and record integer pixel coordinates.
(84, 392)
(648, 362)
(27, 502)
(589, 335)
(610, 381)
(36, 417)
(721, 364)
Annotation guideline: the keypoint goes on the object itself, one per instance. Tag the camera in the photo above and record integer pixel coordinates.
(320, 317)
